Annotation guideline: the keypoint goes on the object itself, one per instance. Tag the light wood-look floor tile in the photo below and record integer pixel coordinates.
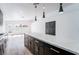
(15, 46)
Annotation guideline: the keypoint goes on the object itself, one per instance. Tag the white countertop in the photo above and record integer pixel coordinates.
(68, 45)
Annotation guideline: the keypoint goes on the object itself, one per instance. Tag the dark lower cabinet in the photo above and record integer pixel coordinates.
(1, 50)
(53, 50)
(49, 50)
(31, 45)
(26, 40)
(38, 47)
(46, 49)
(41, 48)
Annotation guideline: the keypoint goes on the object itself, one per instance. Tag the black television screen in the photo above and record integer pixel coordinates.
(51, 27)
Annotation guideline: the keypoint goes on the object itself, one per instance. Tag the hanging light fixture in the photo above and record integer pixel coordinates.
(35, 4)
(43, 11)
(61, 8)
(35, 18)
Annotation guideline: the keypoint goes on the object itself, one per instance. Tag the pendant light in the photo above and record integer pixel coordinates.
(43, 14)
(35, 18)
(35, 13)
(61, 8)
(35, 4)
(43, 11)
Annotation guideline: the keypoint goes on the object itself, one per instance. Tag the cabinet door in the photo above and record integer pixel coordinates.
(41, 48)
(1, 49)
(46, 49)
(31, 45)
(26, 41)
(36, 47)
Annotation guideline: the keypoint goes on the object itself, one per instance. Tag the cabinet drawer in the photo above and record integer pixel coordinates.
(53, 50)
(59, 51)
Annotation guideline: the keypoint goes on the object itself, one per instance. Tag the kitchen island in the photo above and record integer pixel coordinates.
(68, 47)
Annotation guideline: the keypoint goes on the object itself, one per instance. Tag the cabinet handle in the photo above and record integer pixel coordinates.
(55, 50)
(36, 41)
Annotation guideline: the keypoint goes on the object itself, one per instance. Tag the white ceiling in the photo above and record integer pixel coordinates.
(26, 11)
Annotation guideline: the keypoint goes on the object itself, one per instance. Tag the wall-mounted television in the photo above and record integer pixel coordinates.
(51, 28)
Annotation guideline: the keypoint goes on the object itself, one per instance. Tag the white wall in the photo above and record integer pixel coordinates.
(67, 24)
(11, 26)
(39, 26)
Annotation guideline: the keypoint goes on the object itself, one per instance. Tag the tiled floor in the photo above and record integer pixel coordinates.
(15, 46)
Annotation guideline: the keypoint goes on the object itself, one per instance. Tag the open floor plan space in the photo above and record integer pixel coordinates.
(39, 28)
